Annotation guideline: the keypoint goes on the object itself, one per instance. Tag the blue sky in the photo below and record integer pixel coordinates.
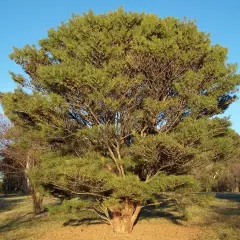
(26, 21)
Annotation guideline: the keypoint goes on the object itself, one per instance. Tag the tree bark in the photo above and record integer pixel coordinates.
(124, 217)
(236, 188)
(37, 199)
(26, 185)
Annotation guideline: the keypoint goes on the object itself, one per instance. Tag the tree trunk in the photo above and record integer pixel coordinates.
(25, 185)
(37, 201)
(236, 183)
(37, 198)
(124, 217)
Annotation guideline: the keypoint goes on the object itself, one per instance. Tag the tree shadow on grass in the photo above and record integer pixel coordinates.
(235, 197)
(16, 222)
(226, 211)
(10, 202)
(165, 211)
(225, 217)
(83, 221)
(16, 219)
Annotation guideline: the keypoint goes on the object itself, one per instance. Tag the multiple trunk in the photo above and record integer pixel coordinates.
(124, 217)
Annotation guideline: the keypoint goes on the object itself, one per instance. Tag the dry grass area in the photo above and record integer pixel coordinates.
(220, 221)
(142, 231)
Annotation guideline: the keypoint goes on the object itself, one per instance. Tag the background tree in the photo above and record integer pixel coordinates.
(228, 181)
(19, 153)
(126, 103)
(222, 175)
(11, 179)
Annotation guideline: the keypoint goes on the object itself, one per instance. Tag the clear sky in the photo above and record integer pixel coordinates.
(26, 21)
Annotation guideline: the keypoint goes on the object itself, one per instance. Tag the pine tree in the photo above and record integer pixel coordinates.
(127, 104)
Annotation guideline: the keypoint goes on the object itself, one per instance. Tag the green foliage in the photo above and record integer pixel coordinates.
(124, 105)
(73, 206)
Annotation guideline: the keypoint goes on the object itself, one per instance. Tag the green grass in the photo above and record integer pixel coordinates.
(17, 220)
(223, 221)
(220, 220)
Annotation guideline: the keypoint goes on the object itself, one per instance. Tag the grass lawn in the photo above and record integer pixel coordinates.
(221, 220)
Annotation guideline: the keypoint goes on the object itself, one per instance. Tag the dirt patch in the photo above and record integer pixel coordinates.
(142, 231)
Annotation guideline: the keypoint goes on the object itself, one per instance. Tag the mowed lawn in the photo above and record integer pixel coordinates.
(221, 220)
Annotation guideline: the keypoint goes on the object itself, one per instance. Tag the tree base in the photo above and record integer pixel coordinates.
(124, 218)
